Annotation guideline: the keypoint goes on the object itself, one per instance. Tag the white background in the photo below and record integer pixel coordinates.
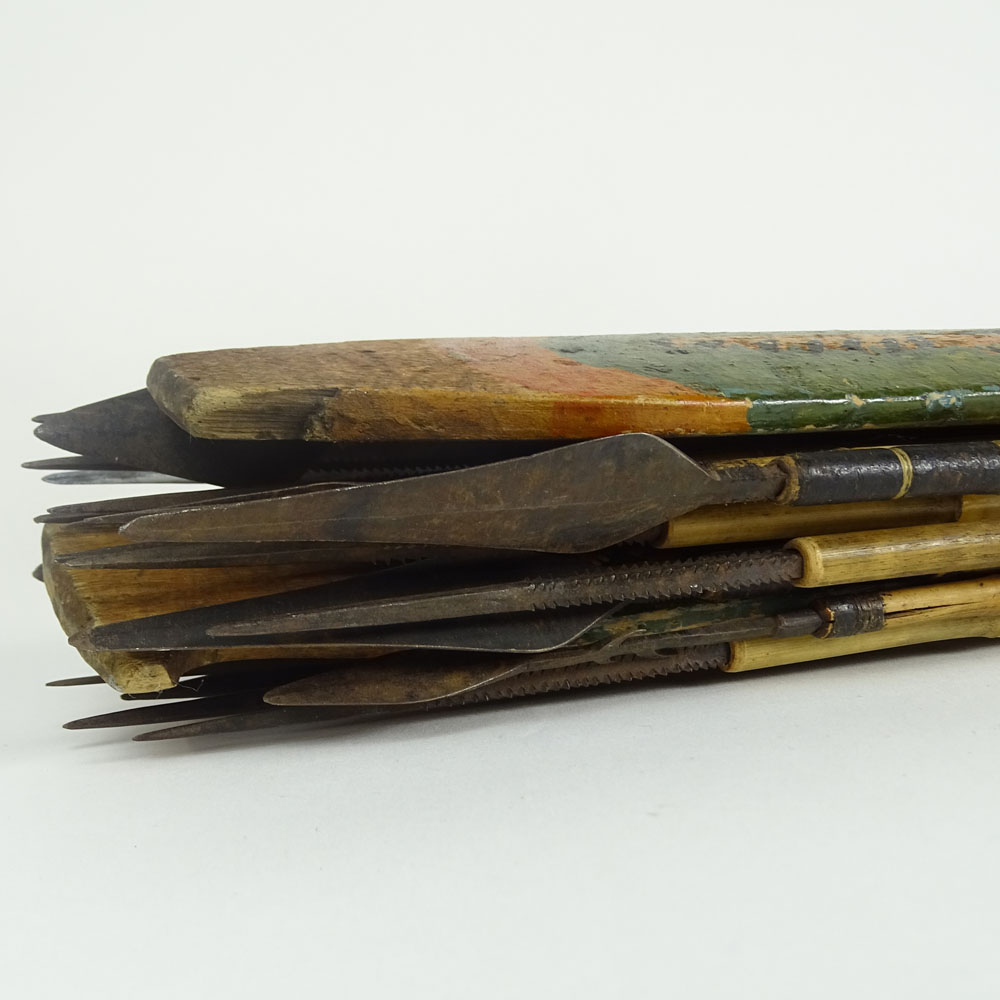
(190, 175)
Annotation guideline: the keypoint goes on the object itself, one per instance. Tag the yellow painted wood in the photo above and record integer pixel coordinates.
(855, 557)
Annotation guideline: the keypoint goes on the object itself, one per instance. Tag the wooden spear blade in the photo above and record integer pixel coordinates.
(578, 498)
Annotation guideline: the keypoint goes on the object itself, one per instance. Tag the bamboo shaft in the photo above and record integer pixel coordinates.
(856, 557)
(981, 508)
(982, 590)
(726, 524)
(929, 624)
(731, 523)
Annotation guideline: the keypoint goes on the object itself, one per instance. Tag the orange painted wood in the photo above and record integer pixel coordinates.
(581, 387)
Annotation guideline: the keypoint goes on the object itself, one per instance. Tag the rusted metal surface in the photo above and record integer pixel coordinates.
(74, 463)
(469, 594)
(433, 526)
(132, 431)
(406, 692)
(268, 717)
(112, 477)
(411, 681)
(573, 499)
(626, 647)
(184, 555)
(577, 499)
(76, 681)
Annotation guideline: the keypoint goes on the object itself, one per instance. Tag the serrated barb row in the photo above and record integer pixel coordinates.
(699, 576)
(591, 674)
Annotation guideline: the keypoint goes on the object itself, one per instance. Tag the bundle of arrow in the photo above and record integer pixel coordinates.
(405, 526)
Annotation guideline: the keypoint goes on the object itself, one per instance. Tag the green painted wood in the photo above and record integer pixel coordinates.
(579, 387)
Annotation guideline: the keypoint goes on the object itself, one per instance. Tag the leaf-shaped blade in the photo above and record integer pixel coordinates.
(578, 498)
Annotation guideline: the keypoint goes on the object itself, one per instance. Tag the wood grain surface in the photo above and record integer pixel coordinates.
(582, 387)
(85, 598)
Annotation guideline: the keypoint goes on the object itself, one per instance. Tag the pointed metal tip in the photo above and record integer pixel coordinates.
(41, 418)
(266, 718)
(81, 639)
(112, 477)
(77, 463)
(91, 722)
(109, 720)
(168, 712)
(44, 430)
(39, 573)
(75, 681)
(286, 698)
(173, 733)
